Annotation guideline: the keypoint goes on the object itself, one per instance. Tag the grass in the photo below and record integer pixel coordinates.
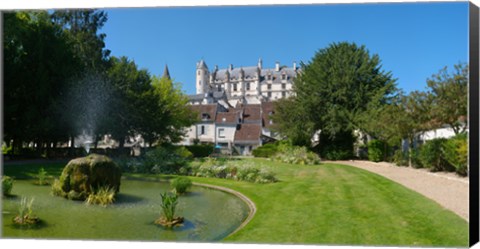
(332, 204)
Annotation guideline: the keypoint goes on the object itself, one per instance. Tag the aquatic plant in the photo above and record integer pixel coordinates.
(25, 213)
(169, 204)
(104, 196)
(7, 185)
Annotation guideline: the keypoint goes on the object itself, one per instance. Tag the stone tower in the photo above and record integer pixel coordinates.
(202, 77)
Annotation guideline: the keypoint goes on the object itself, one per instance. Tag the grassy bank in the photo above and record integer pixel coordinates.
(332, 204)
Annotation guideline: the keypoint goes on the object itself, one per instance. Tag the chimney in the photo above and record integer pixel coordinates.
(230, 67)
(259, 65)
(277, 66)
(295, 66)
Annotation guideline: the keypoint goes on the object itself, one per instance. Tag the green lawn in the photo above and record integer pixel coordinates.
(335, 205)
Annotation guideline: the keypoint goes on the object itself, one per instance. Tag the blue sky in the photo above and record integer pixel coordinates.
(413, 40)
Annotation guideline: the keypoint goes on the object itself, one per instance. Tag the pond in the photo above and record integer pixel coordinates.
(210, 215)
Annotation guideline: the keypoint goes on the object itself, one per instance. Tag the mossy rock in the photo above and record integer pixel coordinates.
(83, 176)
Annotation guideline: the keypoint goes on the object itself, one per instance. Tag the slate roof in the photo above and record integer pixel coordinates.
(251, 73)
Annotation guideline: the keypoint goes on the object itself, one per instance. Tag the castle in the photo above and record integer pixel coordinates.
(235, 105)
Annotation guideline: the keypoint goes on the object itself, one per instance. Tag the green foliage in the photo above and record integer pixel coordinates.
(430, 155)
(295, 155)
(25, 210)
(200, 150)
(334, 88)
(166, 159)
(448, 92)
(267, 150)
(103, 196)
(169, 204)
(400, 158)
(7, 185)
(235, 169)
(181, 184)
(455, 152)
(339, 147)
(376, 150)
(42, 176)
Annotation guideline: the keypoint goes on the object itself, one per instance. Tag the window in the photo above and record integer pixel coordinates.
(284, 76)
(284, 94)
(205, 116)
(284, 86)
(235, 87)
(269, 94)
(248, 86)
(269, 86)
(269, 77)
(199, 82)
(202, 130)
(221, 133)
(219, 88)
(198, 72)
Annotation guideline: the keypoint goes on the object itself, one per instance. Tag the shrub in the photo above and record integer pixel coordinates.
(200, 150)
(7, 185)
(455, 152)
(267, 150)
(166, 160)
(376, 150)
(104, 196)
(181, 184)
(430, 155)
(400, 158)
(296, 155)
(236, 170)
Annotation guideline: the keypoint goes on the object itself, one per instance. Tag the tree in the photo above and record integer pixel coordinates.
(38, 62)
(449, 97)
(335, 88)
(129, 84)
(169, 114)
(289, 120)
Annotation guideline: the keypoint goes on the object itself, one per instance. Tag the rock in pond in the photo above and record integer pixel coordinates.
(83, 176)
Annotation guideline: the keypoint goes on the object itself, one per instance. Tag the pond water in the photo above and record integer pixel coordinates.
(210, 215)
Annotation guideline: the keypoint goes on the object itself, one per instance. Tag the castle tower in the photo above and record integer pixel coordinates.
(202, 76)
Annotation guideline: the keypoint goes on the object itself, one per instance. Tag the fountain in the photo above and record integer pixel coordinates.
(85, 141)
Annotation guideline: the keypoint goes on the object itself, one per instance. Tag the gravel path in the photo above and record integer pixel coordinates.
(447, 189)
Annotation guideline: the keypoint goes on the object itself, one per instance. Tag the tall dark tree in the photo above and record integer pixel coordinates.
(38, 62)
(129, 84)
(335, 88)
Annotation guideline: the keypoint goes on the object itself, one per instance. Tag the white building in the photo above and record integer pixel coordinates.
(234, 105)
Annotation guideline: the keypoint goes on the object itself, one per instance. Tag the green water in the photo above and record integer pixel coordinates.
(209, 214)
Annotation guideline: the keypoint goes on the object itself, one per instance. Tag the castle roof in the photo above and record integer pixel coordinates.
(201, 65)
(251, 72)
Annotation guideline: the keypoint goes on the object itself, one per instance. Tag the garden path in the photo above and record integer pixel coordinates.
(447, 189)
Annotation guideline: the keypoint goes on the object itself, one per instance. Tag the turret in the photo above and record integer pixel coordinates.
(202, 76)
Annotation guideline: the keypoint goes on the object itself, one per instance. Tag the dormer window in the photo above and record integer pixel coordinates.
(248, 86)
(235, 87)
(284, 76)
(205, 116)
(269, 77)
